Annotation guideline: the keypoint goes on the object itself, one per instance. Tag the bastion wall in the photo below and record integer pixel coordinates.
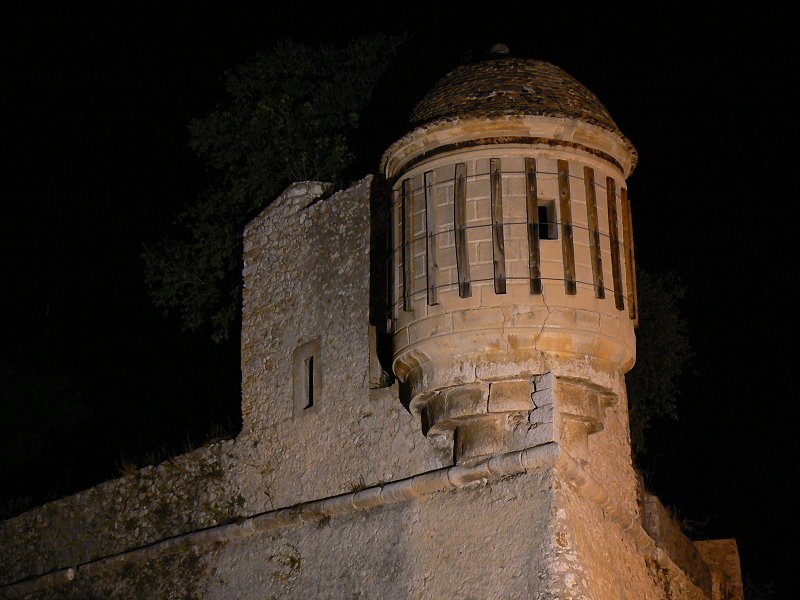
(352, 438)
(332, 491)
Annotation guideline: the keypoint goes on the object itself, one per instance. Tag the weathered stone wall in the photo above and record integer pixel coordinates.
(605, 553)
(722, 558)
(183, 494)
(530, 524)
(307, 272)
(666, 532)
(306, 277)
(273, 514)
(610, 453)
(437, 546)
(487, 541)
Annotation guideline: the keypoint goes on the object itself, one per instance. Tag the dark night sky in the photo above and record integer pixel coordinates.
(96, 163)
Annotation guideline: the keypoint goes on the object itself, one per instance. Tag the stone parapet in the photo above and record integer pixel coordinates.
(184, 494)
(722, 558)
(661, 525)
(538, 501)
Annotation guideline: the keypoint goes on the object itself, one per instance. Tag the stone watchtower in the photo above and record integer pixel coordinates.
(512, 313)
(512, 257)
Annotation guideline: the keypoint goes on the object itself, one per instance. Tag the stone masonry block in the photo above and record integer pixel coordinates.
(446, 238)
(456, 403)
(541, 414)
(543, 389)
(519, 292)
(466, 400)
(517, 269)
(430, 327)
(586, 319)
(513, 164)
(483, 251)
(482, 272)
(482, 210)
(480, 166)
(484, 318)
(515, 207)
(456, 303)
(480, 232)
(561, 318)
(445, 257)
(516, 244)
(489, 298)
(508, 396)
(534, 318)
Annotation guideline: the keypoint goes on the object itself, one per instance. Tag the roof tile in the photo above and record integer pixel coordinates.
(511, 86)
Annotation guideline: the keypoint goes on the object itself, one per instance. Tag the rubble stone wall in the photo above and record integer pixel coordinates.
(306, 277)
(186, 528)
(488, 540)
(183, 494)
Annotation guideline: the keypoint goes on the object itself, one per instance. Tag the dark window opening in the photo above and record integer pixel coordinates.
(308, 389)
(309, 382)
(548, 229)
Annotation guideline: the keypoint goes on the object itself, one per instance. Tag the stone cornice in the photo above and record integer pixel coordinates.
(456, 134)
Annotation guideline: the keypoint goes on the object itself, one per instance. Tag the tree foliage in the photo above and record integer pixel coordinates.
(40, 410)
(290, 116)
(662, 351)
(754, 590)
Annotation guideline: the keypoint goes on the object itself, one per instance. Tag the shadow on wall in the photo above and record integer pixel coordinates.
(380, 287)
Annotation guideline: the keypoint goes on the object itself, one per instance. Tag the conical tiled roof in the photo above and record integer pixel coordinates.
(511, 86)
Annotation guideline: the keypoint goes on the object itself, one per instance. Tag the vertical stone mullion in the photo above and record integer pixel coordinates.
(408, 240)
(594, 233)
(460, 227)
(391, 267)
(567, 244)
(630, 260)
(532, 200)
(613, 234)
(498, 242)
(430, 231)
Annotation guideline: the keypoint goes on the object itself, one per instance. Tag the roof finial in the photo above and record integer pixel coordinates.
(499, 50)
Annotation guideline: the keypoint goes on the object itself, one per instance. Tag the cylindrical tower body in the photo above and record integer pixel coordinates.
(512, 252)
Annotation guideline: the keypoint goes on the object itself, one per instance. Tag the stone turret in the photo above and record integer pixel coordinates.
(513, 313)
(512, 258)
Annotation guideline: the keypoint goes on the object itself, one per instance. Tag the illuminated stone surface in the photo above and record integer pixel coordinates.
(499, 468)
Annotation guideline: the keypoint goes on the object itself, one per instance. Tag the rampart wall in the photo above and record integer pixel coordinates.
(335, 492)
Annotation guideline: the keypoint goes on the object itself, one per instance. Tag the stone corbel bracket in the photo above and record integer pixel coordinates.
(492, 417)
(581, 408)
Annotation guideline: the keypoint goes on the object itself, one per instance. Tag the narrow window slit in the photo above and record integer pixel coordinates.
(309, 382)
(548, 223)
(307, 379)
